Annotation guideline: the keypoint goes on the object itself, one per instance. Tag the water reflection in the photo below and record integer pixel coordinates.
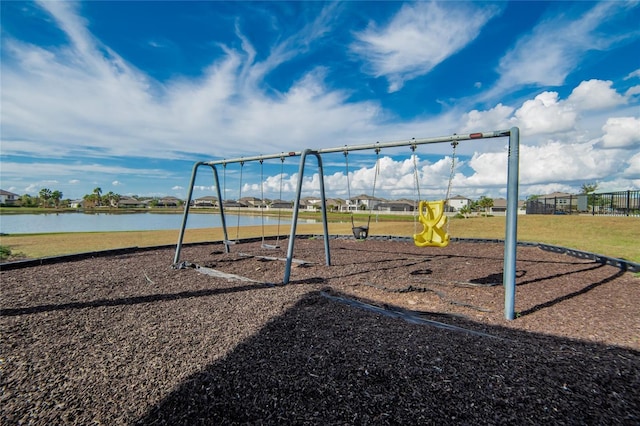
(96, 222)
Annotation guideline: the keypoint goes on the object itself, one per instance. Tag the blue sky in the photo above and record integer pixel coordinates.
(126, 96)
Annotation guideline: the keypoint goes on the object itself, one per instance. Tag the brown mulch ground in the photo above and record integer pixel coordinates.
(372, 339)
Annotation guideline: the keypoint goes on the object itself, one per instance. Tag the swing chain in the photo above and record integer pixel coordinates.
(416, 177)
(280, 198)
(346, 162)
(375, 178)
(454, 144)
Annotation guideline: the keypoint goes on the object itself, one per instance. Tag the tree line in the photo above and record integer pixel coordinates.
(48, 198)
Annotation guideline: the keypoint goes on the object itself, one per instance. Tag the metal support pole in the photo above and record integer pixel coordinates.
(323, 205)
(223, 220)
(186, 211)
(296, 208)
(511, 236)
(185, 216)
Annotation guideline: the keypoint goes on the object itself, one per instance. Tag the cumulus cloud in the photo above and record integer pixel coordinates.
(595, 94)
(633, 171)
(545, 114)
(494, 118)
(419, 37)
(554, 153)
(621, 132)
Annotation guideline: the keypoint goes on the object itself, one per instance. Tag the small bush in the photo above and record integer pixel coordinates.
(5, 252)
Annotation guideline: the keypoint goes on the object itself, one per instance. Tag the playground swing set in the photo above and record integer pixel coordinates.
(431, 214)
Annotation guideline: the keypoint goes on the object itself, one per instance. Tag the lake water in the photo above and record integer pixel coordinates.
(81, 222)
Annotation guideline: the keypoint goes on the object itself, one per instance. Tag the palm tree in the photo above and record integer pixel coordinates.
(486, 203)
(56, 196)
(89, 200)
(111, 199)
(587, 188)
(96, 193)
(45, 195)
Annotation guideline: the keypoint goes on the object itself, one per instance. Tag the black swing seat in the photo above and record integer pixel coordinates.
(360, 232)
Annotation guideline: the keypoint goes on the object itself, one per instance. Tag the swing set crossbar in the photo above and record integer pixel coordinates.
(509, 270)
(364, 147)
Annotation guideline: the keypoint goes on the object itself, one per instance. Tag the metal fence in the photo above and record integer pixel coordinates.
(621, 203)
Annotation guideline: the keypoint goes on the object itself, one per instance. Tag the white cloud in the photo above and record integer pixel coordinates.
(495, 118)
(633, 74)
(633, 171)
(595, 94)
(86, 100)
(44, 170)
(547, 55)
(116, 183)
(545, 114)
(33, 188)
(621, 132)
(419, 37)
(632, 91)
(85, 95)
(581, 114)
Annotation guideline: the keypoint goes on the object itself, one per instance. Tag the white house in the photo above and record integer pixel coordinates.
(458, 202)
(7, 197)
(206, 201)
(367, 201)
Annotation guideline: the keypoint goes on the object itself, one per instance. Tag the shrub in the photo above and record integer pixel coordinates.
(5, 252)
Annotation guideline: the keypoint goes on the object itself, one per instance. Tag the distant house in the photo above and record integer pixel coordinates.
(169, 202)
(500, 206)
(281, 204)
(395, 206)
(310, 203)
(333, 204)
(366, 201)
(8, 198)
(233, 204)
(250, 201)
(206, 201)
(131, 203)
(458, 202)
(314, 203)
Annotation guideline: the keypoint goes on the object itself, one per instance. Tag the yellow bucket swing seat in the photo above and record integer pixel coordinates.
(433, 220)
(431, 213)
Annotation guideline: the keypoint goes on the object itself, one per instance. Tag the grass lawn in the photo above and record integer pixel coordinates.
(610, 236)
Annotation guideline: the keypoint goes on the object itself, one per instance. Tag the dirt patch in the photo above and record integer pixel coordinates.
(371, 339)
